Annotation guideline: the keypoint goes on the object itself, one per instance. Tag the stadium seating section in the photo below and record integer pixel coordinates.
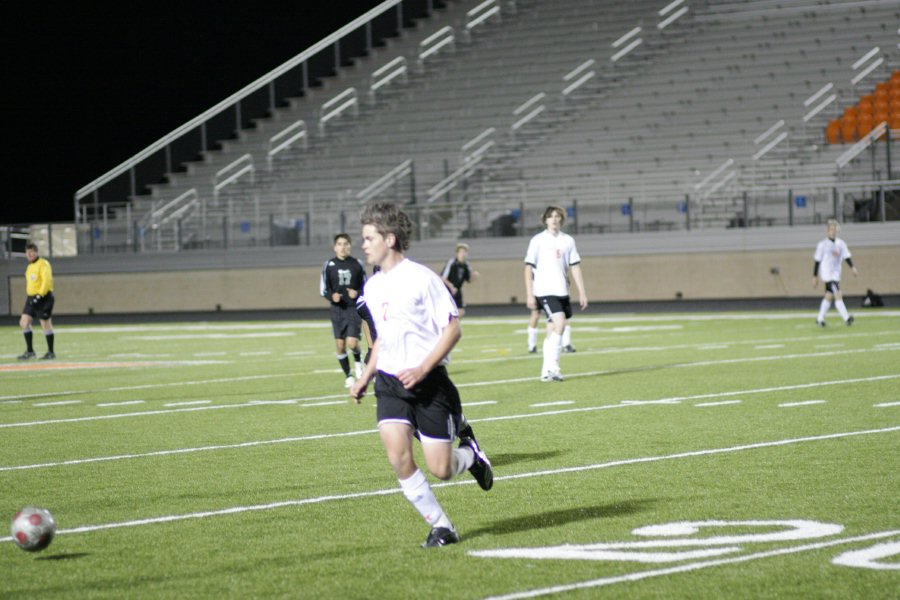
(880, 106)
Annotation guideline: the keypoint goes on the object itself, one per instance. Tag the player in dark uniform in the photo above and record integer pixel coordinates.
(456, 272)
(342, 280)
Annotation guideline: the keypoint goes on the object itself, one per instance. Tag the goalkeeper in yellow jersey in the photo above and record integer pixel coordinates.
(39, 305)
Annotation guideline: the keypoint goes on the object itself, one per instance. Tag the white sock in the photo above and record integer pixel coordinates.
(823, 308)
(418, 492)
(465, 456)
(842, 308)
(532, 337)
(567, 336)
(551, 352)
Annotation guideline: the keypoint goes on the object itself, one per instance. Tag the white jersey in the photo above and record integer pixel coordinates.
(550, 257)
(410, 307)
(830, 255)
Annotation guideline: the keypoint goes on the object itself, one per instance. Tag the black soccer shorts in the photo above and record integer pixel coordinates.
(433, 407)
(833, 286)
(345, 322)
(555, 304)
(42, 309)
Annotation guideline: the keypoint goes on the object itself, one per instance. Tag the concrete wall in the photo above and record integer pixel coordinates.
(647, 276)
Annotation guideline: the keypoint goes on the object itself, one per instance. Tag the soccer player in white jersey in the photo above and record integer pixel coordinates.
(551, 254)
(829, 256)
(417, 326)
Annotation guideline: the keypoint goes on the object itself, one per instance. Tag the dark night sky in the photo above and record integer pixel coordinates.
(90, 84)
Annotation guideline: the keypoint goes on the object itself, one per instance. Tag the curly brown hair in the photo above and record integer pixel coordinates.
(388, 218)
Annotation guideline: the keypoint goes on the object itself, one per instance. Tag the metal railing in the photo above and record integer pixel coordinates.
(332, 41)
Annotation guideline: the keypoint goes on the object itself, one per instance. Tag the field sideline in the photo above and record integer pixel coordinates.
(692, 455)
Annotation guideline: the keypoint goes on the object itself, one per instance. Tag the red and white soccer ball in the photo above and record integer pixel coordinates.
(33, 528)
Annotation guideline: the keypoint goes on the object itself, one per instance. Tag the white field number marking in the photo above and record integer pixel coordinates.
(786, 531)
(673, 544)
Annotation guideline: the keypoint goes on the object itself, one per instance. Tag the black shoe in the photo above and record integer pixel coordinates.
(49, 356)
(466, 432)
(481, 467)
(441, 536)
(27, 355)
(850, 320)
(568, 349)
(820, 323)
(532, 350)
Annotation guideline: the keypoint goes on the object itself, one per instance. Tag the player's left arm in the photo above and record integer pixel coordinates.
(472, 274)
(579, 284)
(852, 267)
(359, 280)
(450, 335)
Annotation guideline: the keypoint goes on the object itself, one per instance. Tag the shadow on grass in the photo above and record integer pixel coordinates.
(64, 556)
(511, 458)
(561, 517)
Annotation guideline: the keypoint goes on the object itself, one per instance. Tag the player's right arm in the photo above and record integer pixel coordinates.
(445, 276)
(530, 302)
(324, 284)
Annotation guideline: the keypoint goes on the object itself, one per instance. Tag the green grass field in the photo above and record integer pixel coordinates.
(747, 455)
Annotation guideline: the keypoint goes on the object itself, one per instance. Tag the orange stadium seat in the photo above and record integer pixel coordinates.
(848, 131)
(833, 132)
(863, 127)
(894, 120)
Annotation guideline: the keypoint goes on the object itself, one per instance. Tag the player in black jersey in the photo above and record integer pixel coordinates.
(456, 272)
(342, 280)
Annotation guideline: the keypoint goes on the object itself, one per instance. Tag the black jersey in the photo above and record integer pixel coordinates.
(339, 276)
(457, 272)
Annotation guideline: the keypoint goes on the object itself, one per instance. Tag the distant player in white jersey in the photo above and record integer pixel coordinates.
(551, 255)
(417, 325)
(829, 256)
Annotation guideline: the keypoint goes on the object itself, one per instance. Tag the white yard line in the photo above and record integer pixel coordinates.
(59, 403)
(623, 404)
(804, 403)
(148, 386)
(189, 403)
(886, 404)
(633, 317)
(707, 346)
(558, 403)
(722, 403)
(396, 490)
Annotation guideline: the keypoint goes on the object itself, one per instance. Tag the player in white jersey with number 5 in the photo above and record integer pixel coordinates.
(829, 256)
(417, 324)
(551, 255)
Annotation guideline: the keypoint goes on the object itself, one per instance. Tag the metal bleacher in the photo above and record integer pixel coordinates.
(742, 68)
(655, 126)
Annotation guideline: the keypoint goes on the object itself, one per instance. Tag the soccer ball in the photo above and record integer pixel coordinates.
(33, 528)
